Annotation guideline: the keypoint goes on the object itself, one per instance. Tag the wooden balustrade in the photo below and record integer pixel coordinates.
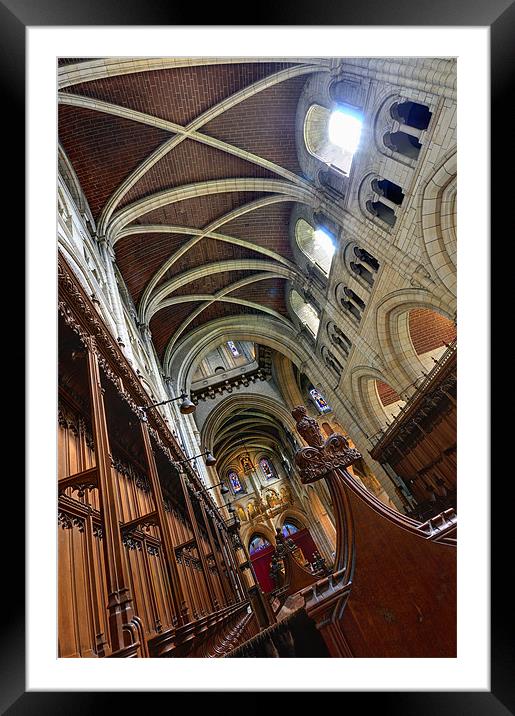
(393, 590)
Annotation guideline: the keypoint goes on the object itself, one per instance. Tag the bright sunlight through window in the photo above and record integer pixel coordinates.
(345, 130)
(324, 242)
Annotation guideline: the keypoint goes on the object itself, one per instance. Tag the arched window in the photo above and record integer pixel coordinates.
(390, 191)
(305, 311)
(319, 400)
(267, 468)
(233, 349)
(339, 338)
(382, 211)
(367, 258)
(235, 482)
(333, 137)
(412, 114)
(403, 143)
(362, 271)
(354, 297)
(289, 528)
(317, 244)
(257, 544)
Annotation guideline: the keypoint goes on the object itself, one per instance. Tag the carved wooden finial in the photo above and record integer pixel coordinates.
(307, 427)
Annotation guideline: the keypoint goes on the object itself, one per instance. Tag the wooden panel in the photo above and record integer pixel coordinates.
(403, 597)
(76, 637)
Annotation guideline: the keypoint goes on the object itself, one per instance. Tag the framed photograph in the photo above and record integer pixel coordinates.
(184, 536)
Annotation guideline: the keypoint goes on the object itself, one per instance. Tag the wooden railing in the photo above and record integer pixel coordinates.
(382, 438)
(393, 589)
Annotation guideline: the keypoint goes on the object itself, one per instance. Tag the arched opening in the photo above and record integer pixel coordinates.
(260, 552)
(351, 308)
(390, 191)
(412, 114)
(333, 137)
(362, 271)
(317, 244)
(403, 143)
(367, 258)
(391, 402)
(300, 535)
(339, 338)
(430, 334)
(382, 211)
(305, 312)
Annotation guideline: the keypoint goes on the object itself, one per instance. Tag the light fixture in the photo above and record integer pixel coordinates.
(224, 490)
(210, 459)
(186, 406)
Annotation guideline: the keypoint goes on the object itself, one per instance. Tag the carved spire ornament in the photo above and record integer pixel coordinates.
(321, 457)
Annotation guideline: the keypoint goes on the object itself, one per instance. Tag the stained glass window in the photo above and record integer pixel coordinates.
(235, 482)
(257, 544)
(267, 468)
(289, 529)
(320, 401)
(233, 349)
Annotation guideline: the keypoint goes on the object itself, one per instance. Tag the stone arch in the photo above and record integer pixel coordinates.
(439, 221)
(392, 326)
(366, 398)
(292, 513)
(227, 406)
(198, 343)
(247, 531)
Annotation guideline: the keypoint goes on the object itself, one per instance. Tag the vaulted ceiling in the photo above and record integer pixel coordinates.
(190, 170)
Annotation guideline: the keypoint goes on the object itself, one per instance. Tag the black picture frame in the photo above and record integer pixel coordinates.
(499, 15)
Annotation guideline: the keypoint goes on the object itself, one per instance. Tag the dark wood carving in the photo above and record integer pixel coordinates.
(393, 590)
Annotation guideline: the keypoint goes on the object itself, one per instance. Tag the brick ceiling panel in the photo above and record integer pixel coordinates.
(62, 61)
(192, 162)
(264, 124)
(178, 95)
(221, 310)
(429, 330)
(166, 321)
(139, 257)
(211, 284)
(267, 227)
(208, 251)
(387, 395)
(104, 149)
(199, 211)
(269, 292)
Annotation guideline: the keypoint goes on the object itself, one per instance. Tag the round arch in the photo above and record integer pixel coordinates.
(366, 399)
(392, 326)
(259, 329)
(439, 223)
